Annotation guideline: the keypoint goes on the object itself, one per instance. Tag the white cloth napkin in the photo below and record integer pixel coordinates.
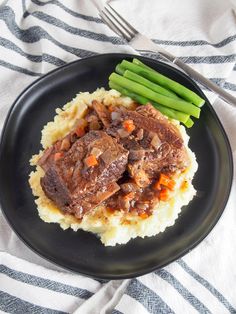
(37, 36)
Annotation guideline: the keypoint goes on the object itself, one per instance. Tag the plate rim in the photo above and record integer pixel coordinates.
(170, 259)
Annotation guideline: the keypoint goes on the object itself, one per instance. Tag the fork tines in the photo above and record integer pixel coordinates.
(117, 23)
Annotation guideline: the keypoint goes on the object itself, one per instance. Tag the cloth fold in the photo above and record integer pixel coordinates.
(37, 36)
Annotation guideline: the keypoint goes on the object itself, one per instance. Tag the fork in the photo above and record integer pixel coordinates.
(137, 41)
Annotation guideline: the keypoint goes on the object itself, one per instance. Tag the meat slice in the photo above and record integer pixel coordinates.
(155, 145)
(59, 147)
(77, 188)
(102, 112)
(149, 111)
(93, 199)
(150, 120)
(55, 188)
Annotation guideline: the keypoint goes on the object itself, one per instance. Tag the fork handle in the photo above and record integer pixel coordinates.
(204, 81)
(140, 40)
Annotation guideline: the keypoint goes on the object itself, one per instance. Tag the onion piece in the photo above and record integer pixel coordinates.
(65, 144)
(123, 133)
(156, 142)
(96, 152)
(140, 134)
(115, 115)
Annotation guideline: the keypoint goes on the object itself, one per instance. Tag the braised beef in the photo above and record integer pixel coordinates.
(126, 161)
(92, 199)
(155, 145)
(147, 117)
(77, 188)
(136, 154)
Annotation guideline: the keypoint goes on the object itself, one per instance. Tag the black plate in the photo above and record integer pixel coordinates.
(81, 251)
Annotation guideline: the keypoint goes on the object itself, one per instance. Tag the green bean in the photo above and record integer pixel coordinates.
(140, 63)
(155, 87)
(164, 81)
(119, 69)
(189, 123)
(176, 104)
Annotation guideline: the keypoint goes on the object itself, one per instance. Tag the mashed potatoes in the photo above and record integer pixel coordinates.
(112, 227)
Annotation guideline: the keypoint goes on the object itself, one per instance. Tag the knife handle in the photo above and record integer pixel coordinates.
(205, 82)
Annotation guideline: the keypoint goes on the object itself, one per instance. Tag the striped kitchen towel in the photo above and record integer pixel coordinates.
(29, 288)
(37, 36)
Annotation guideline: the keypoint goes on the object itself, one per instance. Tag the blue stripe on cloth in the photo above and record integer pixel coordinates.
(45, 283)
(18, 69)
(114, 311)
(230, 86)
(187, 295)
(209, 59)
(34, 58)
(217, 59)
(207, 285)
(149, 299)
(11, 304)
(222, 83)
(187, 43)
(219, 81)
(71, 12)
(35, 33)
(77, 31)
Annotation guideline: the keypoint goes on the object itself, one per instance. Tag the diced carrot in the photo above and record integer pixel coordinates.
(80, 131)
(58, 156)
(143, 215)
(165, 181)
(91, 161)
(129, 125)
(164, 195)
(171, 184)
(110, 210)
